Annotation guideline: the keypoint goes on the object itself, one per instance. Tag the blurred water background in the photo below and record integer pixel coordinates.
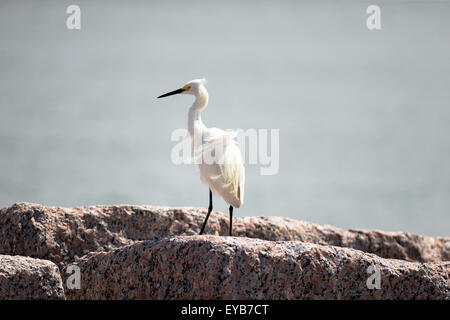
(364, 116)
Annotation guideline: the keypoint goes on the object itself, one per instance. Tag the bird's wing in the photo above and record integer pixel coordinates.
(212, 134)
(226, 175)
(210, 138)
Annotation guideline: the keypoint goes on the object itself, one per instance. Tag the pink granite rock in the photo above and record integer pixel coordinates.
(64, 234)
(27, 278)
(212, 267)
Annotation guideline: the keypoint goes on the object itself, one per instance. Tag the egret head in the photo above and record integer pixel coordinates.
(193, 87)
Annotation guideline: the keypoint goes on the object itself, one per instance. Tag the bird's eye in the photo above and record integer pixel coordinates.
(185, 88)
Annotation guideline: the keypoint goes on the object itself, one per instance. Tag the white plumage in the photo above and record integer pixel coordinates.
(215, 151)
(226, 175)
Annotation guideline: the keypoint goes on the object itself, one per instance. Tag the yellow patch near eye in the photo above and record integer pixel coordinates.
(186, 88)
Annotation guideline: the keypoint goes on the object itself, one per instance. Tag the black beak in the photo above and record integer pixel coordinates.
(171, 93)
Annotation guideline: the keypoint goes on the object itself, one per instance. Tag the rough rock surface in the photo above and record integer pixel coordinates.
(212, 267)
(64, 234)
(27, 278)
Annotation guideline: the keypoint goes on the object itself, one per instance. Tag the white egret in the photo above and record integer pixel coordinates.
(225, 175)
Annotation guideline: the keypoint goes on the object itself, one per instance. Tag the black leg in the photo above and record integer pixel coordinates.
(231, 219)
(209, 211)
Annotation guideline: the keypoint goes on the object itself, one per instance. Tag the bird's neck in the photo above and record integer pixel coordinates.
(195, 124)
